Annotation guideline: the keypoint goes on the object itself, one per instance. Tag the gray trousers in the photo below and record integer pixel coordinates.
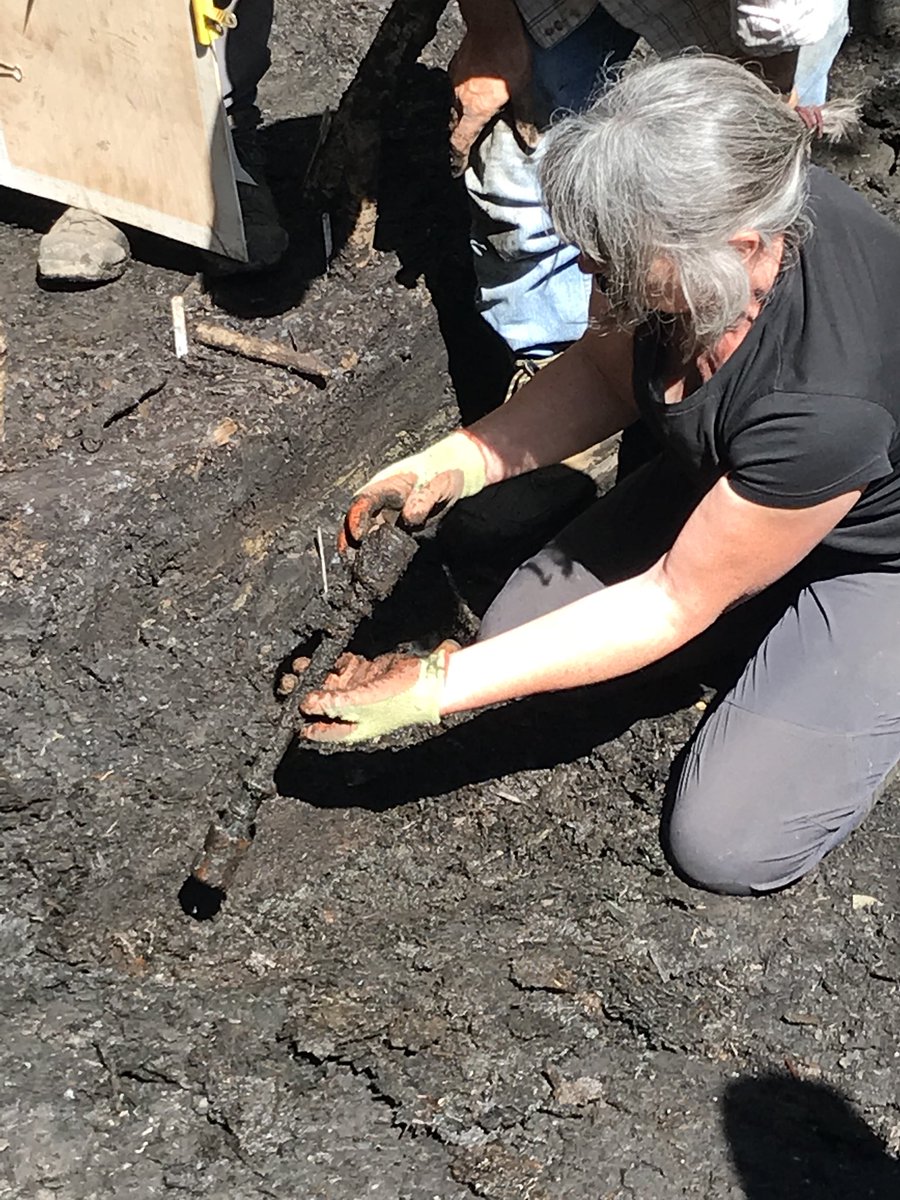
(791, 756)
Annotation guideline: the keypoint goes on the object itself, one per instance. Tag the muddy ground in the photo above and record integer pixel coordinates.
(463, 970)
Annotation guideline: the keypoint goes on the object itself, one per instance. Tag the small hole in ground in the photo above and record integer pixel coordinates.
(199, 900)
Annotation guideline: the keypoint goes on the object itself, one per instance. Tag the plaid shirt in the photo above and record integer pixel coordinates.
(716, 26)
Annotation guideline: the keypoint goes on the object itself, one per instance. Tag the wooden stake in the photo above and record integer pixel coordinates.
(260, 350)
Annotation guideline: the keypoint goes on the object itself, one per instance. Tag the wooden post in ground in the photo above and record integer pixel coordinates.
(343, 175)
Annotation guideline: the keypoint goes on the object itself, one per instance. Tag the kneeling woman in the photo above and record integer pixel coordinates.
(745, 308)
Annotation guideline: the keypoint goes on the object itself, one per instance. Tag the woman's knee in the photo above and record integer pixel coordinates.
(740, 823)
(722, 842)
(742, 841)
(703, 854)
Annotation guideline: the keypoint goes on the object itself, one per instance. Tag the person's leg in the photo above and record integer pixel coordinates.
(529, 285)
(790, 760)
(814, 62)
(618, 536)
(243, 58)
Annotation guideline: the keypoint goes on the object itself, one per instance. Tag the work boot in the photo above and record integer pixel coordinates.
(266, 237)
(82, 247)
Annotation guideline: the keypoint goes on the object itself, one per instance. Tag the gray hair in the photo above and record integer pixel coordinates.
(671, 162)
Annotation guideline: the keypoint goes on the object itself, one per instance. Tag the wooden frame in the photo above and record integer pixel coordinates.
(111, 106)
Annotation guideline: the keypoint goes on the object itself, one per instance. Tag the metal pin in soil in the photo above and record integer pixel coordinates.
(354, 588)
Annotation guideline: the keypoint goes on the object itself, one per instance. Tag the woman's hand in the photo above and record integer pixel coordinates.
(417, 487)
(364, 699)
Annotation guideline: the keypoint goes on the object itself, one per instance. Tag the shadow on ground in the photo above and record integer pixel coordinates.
(422, 217)
(289, 146)
(793, 1139)
(424, 220)
(539, 732)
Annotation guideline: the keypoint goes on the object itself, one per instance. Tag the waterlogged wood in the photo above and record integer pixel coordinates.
(343, 173)
(261, 350)
(878, 17)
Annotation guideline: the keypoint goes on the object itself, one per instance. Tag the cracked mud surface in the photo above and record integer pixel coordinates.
(463, 969)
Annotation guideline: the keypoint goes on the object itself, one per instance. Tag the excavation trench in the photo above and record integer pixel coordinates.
(458, 968)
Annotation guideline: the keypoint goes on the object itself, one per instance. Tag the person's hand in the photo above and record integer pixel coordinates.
(417, 487)
(364, 699)
(812, 117)
(810, 114)
(489, 73)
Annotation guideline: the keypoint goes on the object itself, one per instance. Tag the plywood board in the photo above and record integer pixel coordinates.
(119, 111)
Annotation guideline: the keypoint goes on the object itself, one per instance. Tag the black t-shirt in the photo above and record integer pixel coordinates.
(808, 406)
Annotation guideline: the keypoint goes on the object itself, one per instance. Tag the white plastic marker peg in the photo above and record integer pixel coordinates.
(179, 326)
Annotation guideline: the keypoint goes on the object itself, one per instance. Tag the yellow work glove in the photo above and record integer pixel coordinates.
(362, 700)
(417, 487)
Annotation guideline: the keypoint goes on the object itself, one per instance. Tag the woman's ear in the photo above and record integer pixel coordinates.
(747, 242)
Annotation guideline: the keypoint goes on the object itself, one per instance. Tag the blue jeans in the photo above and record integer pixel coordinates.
(530, 289)
(815, 61)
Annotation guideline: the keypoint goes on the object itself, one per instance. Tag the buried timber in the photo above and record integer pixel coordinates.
(463, 968)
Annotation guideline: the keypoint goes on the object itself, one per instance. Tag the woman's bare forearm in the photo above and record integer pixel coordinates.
(602, 636)
(580, 399)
